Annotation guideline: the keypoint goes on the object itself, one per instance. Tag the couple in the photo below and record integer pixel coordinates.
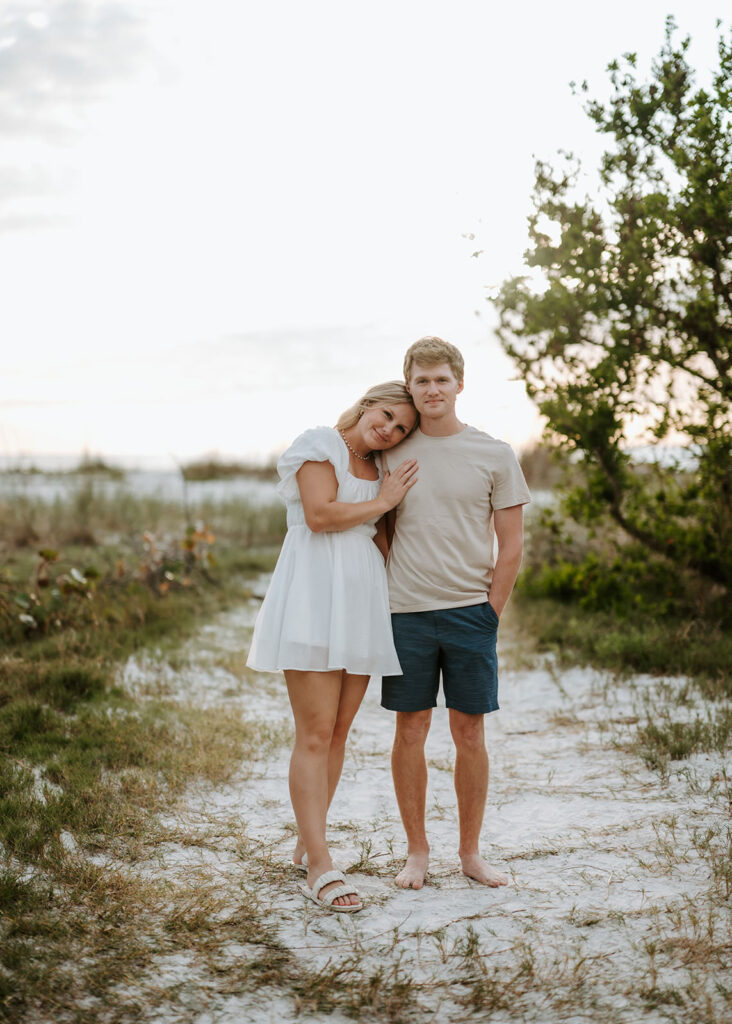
(325, 618)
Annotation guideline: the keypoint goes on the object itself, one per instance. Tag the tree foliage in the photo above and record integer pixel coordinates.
(629, 332)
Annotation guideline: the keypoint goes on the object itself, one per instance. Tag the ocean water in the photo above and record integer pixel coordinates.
(165, 484)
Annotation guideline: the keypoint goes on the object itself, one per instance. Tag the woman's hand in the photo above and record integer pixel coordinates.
(395, 485)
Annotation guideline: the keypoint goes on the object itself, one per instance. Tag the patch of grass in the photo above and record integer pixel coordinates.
(107, 773)
(715, 846)
(93, 515)
(683, 963)
(654, 997)
(214, 468)
(659, 742)
(119, 611)
(599, 598)
(84, 767)
(702, 650)
(490, 987)
(95, 466)
(107, 770)
(385, 994)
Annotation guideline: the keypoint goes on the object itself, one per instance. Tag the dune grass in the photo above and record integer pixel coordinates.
(85, 768)
(697, 648)
(88, 773)
(596, 598)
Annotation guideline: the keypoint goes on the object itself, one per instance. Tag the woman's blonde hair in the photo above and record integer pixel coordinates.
(393, 392)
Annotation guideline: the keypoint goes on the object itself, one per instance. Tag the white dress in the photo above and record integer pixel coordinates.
(327, 606)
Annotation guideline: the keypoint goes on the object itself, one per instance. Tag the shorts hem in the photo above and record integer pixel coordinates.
(471, 711)
(389, 707)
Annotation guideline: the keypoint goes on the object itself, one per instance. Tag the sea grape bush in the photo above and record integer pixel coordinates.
(623, 332)
(57, 597)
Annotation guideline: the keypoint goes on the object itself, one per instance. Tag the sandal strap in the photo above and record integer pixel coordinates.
(325, 879)
(341, 890)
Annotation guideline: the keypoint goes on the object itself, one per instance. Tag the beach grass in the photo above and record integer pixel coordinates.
(87, 768)
(99, 924)
(698, 648)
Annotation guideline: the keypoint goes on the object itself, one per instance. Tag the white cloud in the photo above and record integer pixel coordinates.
(56, 58)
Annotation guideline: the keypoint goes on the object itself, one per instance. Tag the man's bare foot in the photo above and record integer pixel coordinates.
(475, 867)
(414, 872)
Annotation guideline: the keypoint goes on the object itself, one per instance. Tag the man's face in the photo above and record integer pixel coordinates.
(434, 389)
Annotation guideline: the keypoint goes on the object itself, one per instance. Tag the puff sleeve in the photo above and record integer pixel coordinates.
(320, 444)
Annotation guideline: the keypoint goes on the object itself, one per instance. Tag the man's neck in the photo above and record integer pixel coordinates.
(441, 426)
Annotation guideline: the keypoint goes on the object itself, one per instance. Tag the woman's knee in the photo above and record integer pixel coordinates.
(314, 738)
(340, 734)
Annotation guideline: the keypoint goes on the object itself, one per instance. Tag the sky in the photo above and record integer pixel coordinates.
(221, 222)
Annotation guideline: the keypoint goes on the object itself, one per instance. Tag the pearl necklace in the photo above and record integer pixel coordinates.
(363, 458)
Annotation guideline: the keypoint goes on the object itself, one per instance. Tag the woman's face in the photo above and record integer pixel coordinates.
(383, 426)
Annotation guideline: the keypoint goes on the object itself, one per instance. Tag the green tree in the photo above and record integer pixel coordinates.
(629, 328)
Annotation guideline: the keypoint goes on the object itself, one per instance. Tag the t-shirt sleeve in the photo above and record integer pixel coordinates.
(320, 444)
(509, 485)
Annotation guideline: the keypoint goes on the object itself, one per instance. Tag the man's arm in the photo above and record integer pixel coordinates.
(380, 537)
(509, 526)
(390, 518)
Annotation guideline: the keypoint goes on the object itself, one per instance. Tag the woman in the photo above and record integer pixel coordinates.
(325, 619)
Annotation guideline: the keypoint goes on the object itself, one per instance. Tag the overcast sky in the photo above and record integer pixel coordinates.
(221, 221)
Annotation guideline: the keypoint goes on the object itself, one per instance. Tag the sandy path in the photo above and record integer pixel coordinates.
(609, 914)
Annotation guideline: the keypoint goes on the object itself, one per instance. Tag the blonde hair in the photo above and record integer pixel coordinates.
(393, 392)
(431, 351)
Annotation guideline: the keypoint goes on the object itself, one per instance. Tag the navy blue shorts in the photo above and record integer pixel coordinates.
(460, 643)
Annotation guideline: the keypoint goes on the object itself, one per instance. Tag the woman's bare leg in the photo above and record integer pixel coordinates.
(353, 689)
(315, 699)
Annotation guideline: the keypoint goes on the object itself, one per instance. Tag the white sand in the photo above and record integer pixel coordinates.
(605, 910)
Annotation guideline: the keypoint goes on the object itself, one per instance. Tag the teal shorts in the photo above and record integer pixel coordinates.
(458, 644)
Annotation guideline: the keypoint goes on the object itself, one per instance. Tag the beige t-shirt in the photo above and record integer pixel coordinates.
(442, 553)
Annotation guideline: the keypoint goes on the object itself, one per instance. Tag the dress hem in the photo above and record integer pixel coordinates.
(331, 668)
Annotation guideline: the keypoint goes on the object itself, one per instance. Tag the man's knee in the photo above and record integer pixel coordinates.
(468, 731)
(412, 727)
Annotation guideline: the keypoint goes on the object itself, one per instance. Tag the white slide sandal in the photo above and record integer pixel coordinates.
(341, 890)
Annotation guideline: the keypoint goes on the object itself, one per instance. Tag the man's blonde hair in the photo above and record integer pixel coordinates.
(393, 392)
(431, 351)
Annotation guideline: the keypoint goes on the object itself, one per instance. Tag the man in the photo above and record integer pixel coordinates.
(447, 596)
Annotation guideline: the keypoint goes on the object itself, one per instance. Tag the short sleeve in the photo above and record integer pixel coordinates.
(320, 444)
(509, 485)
